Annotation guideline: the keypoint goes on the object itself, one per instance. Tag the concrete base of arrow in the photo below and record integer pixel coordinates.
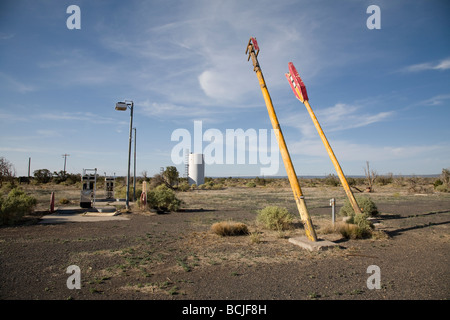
(318, 245)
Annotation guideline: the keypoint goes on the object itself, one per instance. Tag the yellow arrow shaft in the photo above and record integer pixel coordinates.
(293, 180)
(338, 168)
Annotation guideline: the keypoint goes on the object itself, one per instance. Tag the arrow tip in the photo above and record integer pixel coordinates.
(297, 84)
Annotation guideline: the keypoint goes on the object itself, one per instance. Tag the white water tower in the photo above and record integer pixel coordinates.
(196, 169)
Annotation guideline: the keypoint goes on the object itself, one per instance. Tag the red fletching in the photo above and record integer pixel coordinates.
(292, 84)
(255, 44)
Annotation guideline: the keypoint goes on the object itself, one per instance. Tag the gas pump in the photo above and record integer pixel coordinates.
(109, 187)
(89, 185)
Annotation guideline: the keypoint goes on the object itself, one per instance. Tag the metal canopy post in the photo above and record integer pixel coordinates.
(253, 51)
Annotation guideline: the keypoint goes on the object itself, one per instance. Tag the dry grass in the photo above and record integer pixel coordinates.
(347, 230)
(255, 237)
(229, 228)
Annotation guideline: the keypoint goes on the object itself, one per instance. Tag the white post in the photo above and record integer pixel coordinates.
(333, 216)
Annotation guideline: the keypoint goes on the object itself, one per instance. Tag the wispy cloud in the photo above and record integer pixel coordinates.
(80, 116)
(436, 100)
(6, 36)
(16, 85)
(441, 65)
(336, 118)
(343, 116)
(178, 113)
(200, 53)
(9, 117)
(350, 151)
(48, 133)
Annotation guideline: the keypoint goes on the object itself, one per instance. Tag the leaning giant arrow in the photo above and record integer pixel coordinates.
(299, 89)
(253, 51)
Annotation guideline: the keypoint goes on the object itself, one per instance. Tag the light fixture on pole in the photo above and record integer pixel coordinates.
(123, 106)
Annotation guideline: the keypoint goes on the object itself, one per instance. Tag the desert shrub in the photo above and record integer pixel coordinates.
(120, 192)
(157, 180)
(138, 192)
(351, 181)
(331, 180)
(171, 175)
(217, 186)
(413, 184)
(42, 175)
(15, 206)
(59, 177)
(260, 181)
(7, 187)
(364, 226)
(163, 199)
(442, 188)
(437, 183)
(385, 180)
(72, 179)
(210, 185)
(184, 186)
(275, 218)
(250, 184)
(365, 203)
(7, 171)
(229, 228)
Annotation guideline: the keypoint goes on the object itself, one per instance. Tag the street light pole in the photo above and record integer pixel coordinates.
(134, 178)
(122, 106)
(129, 157)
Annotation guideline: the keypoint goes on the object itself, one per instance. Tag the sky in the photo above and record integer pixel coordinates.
(381, 95)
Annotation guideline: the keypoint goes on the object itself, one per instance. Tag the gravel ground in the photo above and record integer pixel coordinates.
(175, 256)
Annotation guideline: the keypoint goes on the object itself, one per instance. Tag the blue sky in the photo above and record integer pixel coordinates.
(380, 95)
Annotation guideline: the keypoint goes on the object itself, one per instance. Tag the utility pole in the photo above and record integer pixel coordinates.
(65, 157)
(29, 166)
